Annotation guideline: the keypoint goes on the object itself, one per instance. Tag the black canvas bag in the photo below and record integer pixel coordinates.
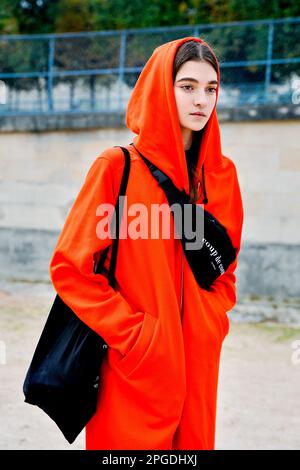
(217, 251)
(64, 375)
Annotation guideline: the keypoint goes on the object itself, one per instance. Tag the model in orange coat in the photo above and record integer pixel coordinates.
(160, 375)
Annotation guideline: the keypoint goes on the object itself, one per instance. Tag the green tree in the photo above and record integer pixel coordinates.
(74, 15)
(32, 16)
(50, 16)
(8, 21)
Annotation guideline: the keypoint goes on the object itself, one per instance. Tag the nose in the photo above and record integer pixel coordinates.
(200, 98)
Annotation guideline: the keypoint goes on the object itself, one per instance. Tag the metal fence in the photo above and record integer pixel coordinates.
(95, 72)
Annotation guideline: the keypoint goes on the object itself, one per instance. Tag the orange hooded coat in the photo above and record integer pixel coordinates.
(160, 375)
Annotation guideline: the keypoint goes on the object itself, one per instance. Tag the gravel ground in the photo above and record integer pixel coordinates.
(258, 400)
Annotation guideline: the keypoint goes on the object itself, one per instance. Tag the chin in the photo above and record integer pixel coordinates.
(199, 127)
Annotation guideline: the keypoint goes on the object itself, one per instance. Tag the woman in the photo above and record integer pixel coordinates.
(159, 379)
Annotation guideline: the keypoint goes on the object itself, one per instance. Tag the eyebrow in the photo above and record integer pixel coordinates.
(190, 79)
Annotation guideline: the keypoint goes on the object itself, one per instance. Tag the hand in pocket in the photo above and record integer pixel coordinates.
(135, 357)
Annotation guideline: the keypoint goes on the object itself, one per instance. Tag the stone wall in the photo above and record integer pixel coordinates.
(41, 173)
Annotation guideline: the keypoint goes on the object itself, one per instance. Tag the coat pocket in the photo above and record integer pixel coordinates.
(134, 357)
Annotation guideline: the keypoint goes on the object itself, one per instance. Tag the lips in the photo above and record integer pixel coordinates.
(197, 114)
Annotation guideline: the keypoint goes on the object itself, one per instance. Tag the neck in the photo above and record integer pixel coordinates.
(187, 137)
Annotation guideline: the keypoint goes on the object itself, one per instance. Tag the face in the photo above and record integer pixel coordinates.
(195, 88)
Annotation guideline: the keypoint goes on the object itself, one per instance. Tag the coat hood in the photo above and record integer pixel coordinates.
(152, 115)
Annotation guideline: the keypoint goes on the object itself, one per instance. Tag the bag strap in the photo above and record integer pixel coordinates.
(173, 194)
(118, 210)
(213, 227)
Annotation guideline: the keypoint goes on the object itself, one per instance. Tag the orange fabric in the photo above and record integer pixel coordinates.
(160, 376)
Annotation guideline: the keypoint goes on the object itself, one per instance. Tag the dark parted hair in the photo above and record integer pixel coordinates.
(193, 50)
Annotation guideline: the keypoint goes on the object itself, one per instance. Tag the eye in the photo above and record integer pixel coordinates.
(187, 87)
(191, 88)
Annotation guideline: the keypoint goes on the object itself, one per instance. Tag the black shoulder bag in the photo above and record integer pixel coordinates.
(64, 375)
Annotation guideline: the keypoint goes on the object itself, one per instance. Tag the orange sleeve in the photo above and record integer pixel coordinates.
(89, 295)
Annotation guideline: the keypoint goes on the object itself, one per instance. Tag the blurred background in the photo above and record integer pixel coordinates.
(67, 68)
